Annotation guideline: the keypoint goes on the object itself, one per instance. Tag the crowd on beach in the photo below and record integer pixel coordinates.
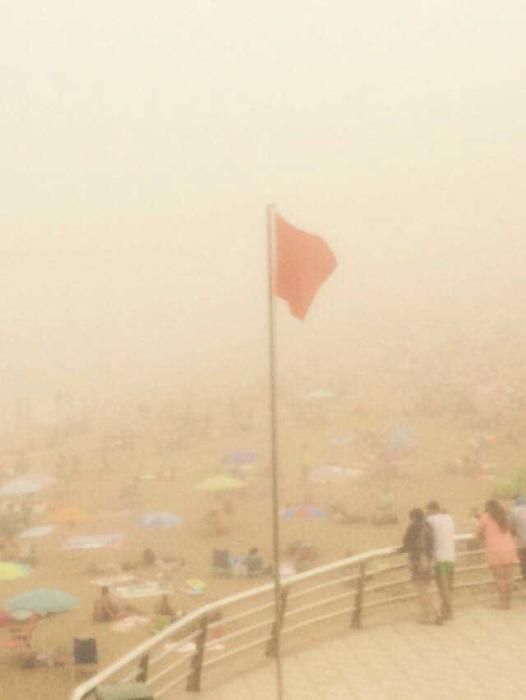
(429, 542)
(344, 490)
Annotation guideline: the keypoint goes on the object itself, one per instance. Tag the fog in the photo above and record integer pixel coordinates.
(141, 144)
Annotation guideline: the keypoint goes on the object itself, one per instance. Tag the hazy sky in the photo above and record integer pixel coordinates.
(141, 142)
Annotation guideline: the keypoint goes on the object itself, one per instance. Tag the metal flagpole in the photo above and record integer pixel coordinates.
(274, 451)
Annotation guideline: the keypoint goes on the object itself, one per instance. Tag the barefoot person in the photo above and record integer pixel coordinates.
(500, 548)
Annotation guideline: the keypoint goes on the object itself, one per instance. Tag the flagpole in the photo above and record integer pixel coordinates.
(274, 453)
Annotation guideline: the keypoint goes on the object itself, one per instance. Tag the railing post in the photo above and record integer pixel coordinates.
(278, 624)
(356, 621)
(193, 684)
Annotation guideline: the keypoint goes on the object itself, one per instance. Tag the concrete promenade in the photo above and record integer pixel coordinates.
(480, 654)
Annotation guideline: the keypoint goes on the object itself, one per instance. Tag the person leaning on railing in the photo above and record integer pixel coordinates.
(443, 538)
(518, 528)
(418, 544)
(499, 544)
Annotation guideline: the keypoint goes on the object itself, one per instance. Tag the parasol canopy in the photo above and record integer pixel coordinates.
(112, 539)
(42, 601)
(333, 473)
(342, 440)
(401, 438)
(160, 520)
(67, 515)
(24, 485)
(10, 570)
(240, 457)
(304, 511)
(37, 531)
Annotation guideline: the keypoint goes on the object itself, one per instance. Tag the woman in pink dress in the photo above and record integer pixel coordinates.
(501, 553)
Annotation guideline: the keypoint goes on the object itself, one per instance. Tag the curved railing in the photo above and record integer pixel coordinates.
(237, 633)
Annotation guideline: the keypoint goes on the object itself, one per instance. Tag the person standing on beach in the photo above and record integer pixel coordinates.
(443, 532)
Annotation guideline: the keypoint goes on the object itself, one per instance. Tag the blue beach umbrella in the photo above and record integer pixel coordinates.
(304, 511)
(42, 601)
(401, 438)
(342, 440)
(239, 457)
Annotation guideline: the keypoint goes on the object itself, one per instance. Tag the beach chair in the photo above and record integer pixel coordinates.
(124, 691)
(20, 644)
(221, 563)
(255, 566)
(22, 636)
(85, 656)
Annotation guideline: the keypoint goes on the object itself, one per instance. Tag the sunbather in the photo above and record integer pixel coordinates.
(165, 614)
(105, 609)
(164, 607)
(254, 563)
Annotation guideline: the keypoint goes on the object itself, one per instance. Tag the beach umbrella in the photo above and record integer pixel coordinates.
(239, 457)
(305, 511)
(333, 473)
(42, 601)
(38, 531)
(342, 440)
(24, 485)
(159, 520)
(112, 539)
(401, 438)
(9, 570)
(220, 484)
(67, 515)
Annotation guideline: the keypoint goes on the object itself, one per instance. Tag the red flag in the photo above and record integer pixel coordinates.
(303, 264)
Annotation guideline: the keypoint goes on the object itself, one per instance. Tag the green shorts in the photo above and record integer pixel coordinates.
(444, 568)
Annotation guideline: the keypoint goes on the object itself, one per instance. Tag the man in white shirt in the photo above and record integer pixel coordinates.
(443, 529)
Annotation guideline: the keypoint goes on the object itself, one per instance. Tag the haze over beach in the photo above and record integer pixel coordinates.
(140, 147)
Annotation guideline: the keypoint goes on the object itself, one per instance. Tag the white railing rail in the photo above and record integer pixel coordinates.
(215, 636)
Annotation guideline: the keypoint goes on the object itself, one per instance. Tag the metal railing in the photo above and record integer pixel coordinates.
(237, 633)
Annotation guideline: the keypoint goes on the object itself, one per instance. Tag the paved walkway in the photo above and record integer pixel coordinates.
(480, 654)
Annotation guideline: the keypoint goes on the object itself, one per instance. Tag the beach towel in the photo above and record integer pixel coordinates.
(129, 623)
(194, 586)
(38, 531)
(113, 580)
(142, 589)
(94, 541)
